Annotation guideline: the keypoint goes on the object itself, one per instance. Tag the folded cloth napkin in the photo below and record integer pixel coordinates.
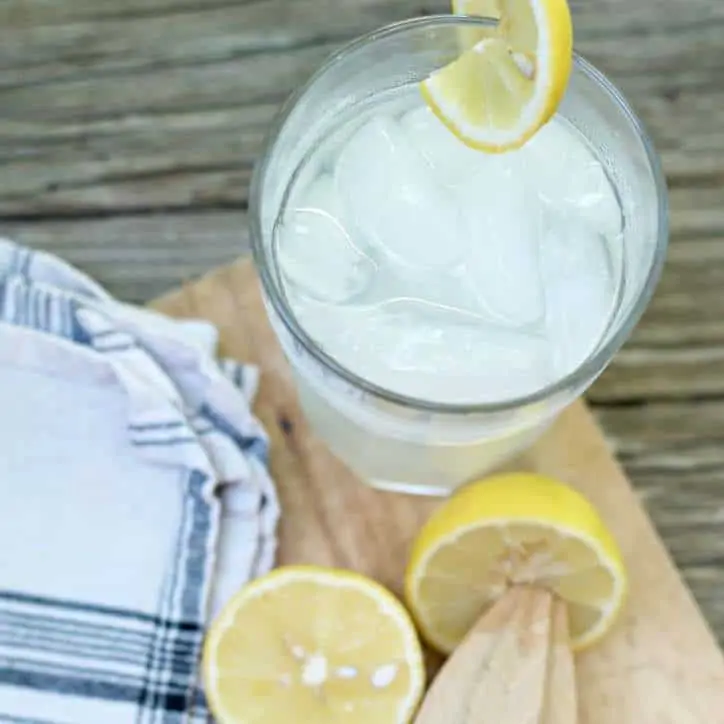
(134, 499)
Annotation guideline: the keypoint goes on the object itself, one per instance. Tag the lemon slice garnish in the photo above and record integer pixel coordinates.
(516, 529)
(309, 644)
(501, 90)
(484, 8)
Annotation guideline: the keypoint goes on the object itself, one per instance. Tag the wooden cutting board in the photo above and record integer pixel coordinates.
(660, 666)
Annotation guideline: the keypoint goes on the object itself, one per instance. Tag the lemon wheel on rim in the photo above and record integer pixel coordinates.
(501, 90)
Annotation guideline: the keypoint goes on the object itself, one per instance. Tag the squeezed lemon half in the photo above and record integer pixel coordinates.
(514, 529)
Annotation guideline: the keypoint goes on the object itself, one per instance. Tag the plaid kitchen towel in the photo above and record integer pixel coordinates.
(134, 498)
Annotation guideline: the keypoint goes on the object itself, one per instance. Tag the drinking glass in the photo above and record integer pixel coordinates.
(414, 445)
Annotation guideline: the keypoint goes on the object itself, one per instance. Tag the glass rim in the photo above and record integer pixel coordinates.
(592, 366)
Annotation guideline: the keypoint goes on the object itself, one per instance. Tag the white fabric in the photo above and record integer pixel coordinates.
(134, 500)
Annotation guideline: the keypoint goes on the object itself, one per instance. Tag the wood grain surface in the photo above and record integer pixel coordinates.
(660, 665)
(128, 130)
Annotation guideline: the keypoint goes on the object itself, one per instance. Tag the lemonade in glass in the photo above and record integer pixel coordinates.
(439, 304)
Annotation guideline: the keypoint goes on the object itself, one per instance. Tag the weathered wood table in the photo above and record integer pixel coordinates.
(128, 130)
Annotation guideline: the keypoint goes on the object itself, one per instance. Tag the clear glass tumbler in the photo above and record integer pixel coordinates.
(412, 445)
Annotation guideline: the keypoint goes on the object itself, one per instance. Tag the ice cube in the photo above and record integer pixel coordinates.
(351, 335)
(442, 295)
(394, 199)
(502, 265)
(457, 363)
(570, 179)
(426, 359)
(316, 251)
(453, 162)
(579, 290)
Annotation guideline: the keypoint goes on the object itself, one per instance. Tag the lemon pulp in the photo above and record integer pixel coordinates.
(316, 645)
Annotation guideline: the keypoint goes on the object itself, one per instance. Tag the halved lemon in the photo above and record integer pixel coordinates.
(309, 644)
(514, 529)
(501, 90)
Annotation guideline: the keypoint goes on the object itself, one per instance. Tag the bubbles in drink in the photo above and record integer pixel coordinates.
(446, 274)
